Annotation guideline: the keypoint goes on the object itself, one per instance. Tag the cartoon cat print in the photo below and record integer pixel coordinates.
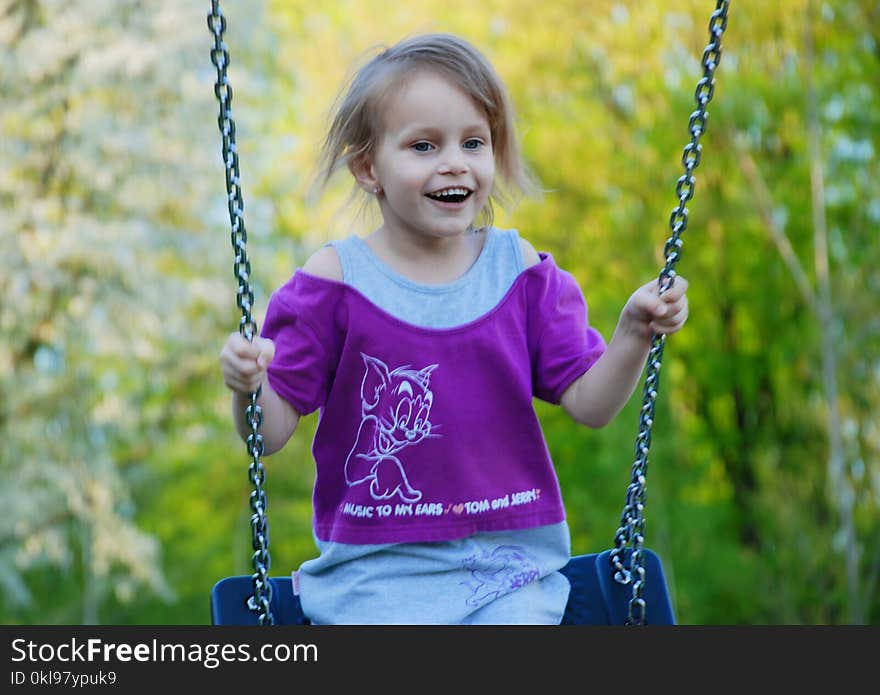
(395, 411)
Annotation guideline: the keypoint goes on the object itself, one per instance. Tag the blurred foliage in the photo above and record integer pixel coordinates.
(124, 483)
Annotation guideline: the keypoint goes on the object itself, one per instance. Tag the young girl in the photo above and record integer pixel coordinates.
(423, 345)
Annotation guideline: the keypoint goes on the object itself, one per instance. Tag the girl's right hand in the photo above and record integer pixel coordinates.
(244, 363)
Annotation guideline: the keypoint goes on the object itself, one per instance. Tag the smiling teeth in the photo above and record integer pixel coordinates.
(451, 191)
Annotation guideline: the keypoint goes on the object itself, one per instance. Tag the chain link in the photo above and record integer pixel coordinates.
(262, 597)
(632, 521)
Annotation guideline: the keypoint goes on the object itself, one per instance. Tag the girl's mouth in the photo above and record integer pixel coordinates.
(452, 196)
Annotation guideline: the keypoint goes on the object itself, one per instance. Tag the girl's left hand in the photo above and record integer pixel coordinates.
(647, 311)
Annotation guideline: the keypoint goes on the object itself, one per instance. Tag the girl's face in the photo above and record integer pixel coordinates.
(433, 161)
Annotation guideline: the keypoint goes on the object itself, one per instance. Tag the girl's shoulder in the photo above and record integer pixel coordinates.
(324, 263)
(525, 254)
(529, 254)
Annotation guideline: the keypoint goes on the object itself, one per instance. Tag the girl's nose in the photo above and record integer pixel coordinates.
(453, 162)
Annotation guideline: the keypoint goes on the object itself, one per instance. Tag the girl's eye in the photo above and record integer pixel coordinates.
(473, 144)
(422, 146)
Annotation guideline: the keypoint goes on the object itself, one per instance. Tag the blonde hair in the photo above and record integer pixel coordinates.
(356, 126)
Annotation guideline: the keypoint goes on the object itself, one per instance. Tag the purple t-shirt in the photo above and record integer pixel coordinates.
(429, 434)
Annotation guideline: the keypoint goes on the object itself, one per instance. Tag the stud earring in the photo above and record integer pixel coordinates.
(377, 190)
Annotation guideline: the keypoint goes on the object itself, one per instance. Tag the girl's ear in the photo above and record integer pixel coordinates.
(364, 173)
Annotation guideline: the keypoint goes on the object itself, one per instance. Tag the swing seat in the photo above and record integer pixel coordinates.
(595, 598)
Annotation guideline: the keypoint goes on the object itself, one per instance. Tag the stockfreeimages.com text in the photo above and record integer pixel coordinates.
(209, 655)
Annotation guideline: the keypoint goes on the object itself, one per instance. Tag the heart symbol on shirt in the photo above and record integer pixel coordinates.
(458, 508)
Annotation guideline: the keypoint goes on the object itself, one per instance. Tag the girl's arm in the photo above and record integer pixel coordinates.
(279, 418)
(244, 368)
(598, 395)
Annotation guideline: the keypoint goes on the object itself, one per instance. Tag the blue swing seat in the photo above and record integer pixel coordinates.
(595, 598)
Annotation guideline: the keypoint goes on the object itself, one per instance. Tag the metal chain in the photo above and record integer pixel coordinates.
(262, 597)
(632, 521)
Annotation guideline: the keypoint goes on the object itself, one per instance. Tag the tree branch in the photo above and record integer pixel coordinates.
(777, 233)
(841, 486)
